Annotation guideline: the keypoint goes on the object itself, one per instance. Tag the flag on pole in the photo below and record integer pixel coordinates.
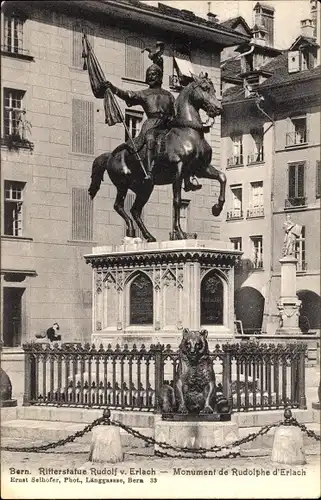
(97, 80)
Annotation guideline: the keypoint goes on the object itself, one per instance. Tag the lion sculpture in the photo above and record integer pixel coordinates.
(195, 390)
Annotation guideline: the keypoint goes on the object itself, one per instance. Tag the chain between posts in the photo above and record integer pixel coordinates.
(200, 452)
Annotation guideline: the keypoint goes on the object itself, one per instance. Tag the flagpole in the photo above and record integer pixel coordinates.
(131, 139)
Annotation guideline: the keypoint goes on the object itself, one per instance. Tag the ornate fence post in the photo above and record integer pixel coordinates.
(29, 369)
(301, 376)
(159, 374)
(227, 373)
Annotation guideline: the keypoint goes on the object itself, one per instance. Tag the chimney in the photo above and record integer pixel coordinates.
(264, 16)
(212, 18)
(307, 28)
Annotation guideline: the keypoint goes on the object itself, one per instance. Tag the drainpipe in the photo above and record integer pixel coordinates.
(258, 100)
(238, 55)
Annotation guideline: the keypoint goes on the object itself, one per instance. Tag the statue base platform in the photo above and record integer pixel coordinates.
(289, 331)
(196, 435)
(205, 417)
(7, 403)
(144, 293)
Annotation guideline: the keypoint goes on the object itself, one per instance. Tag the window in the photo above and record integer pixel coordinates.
(297, 131)
(134, 58)
(133, 121)
(237, 243)
(307, 59)
(258, 153)
(77, 50)
(13, 212)
(13, 123)
(300, 251)
(82, 126)
(257, 251)
(236, 211)
(256, 203)
(237, 158)
(82, 215)
(296, 185)
(13, 33)
(318, 180)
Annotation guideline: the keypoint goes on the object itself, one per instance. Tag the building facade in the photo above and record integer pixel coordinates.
(271, 151)
(53, 128)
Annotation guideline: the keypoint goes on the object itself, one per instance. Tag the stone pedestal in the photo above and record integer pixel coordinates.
(148, 292)
(288, 446)
(289, 304)
(196, 435)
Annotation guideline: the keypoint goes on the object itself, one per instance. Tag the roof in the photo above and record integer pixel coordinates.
(231, 70)
(304, 39)
(264, 6)
(278, 67)
(161, 17)
(280, 74)
(233, 22)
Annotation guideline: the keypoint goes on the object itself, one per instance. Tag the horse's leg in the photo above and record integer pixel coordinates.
(177, 202)
(210, 172)
(119, 208)
(141, 199)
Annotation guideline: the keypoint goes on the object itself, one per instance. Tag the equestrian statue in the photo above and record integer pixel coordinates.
(170, 148)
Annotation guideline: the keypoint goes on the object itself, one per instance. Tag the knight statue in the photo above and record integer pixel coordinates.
(159, 107)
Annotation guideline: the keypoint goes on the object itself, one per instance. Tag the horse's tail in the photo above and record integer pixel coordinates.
(97, 173)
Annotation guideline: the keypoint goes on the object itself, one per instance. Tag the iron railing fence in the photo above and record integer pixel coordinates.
(252, 376)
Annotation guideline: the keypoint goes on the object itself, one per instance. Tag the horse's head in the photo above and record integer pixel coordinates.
(204, 95)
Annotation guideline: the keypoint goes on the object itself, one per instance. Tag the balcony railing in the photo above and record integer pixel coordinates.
(235, 213)
(296, 138)
(257, 264)
(235, 161)
(302, 266)
(255, 212)
(298, 201)
(255, 157)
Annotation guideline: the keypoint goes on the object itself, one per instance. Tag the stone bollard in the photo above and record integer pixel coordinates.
(6, 390)
(106, 444)
(288, 443)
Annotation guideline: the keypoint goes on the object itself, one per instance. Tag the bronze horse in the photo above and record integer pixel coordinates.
(182, 151)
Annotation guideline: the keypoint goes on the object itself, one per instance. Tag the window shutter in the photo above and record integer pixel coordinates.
(292, 172)
(293, 61)
(300, 188)
(82, 215)
(318, 179)
(82, 126)
(134, 58)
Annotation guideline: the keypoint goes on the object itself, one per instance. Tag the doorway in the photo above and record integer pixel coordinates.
(12, 316)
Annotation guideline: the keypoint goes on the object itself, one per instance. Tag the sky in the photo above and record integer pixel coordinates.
(288, 14)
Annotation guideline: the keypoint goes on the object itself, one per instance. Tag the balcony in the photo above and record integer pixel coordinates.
(257, 157)
(235, 214)
(255, 212)
(235, 161)
(257, 264)
(299, 201)
(296, 138)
